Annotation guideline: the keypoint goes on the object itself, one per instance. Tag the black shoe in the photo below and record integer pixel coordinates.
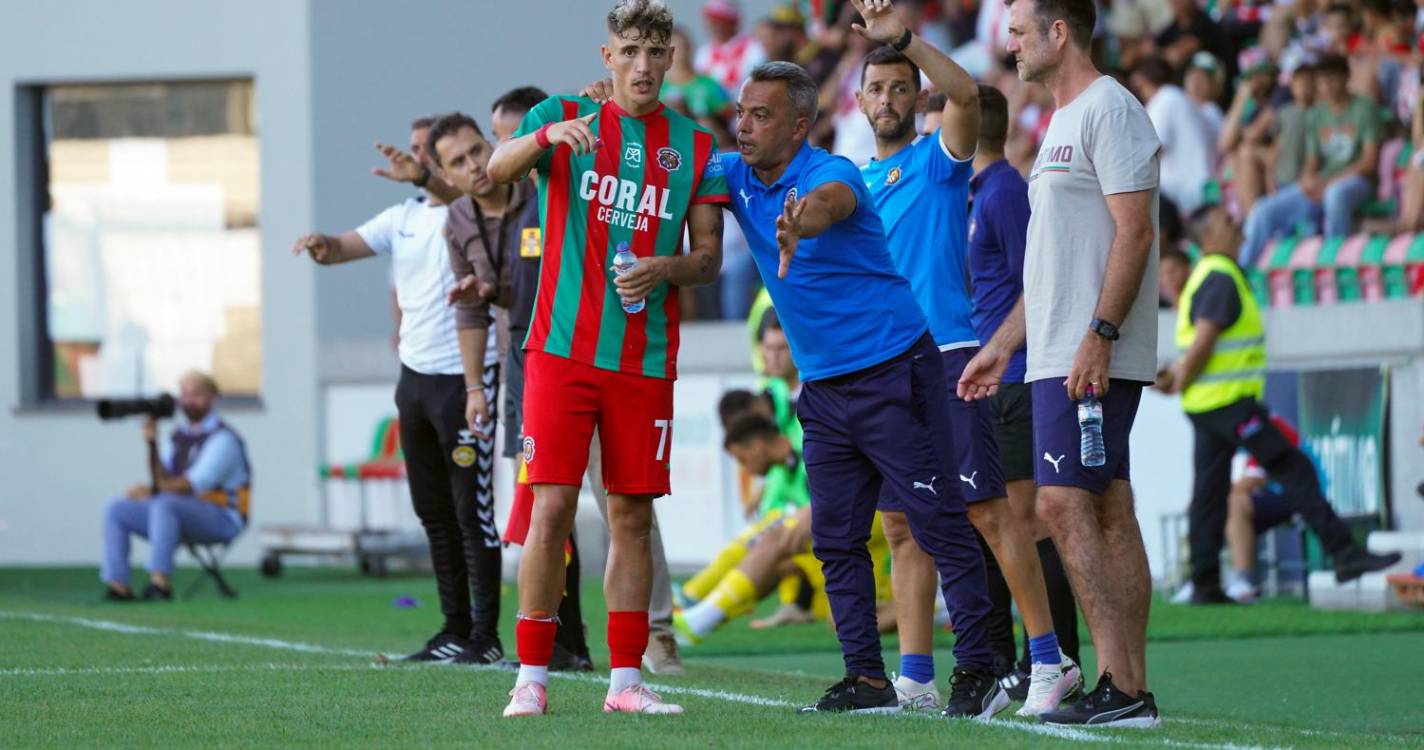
(1107, 706)
(482, 650)
(1357, 561)
(850, 694)
(156, 593)
(112, 595)
(567, 660)
(1014, 681)
(1211, 595)
(974, 694)
(444, 648)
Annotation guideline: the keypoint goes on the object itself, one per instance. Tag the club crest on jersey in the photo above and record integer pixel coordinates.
(633, 154)
(669, 159)
(463, 456)
(528, 449)
(893, 177)
(791, 195)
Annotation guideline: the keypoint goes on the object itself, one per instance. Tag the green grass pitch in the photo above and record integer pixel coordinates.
(291, 663)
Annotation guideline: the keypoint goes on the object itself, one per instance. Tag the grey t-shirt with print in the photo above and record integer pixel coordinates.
(1101, 144)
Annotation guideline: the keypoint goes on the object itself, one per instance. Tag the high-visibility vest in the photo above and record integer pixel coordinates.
(1237, 368)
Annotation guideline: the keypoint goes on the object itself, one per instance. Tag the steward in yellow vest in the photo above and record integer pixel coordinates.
(1221, 376)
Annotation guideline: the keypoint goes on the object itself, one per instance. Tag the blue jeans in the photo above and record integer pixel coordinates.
(1282, 211)
(165, 520)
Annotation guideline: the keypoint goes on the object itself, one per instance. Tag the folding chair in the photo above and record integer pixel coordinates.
(210, 557)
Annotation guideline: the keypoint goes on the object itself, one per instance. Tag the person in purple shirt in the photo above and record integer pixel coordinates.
(998, 228)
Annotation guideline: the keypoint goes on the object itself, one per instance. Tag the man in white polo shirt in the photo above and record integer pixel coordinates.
(440, 447)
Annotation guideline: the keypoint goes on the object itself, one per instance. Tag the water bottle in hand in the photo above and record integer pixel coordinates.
(1090, 430)
(624, 262)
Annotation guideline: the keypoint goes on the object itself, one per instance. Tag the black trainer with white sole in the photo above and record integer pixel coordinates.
(852, 695)
(974, 694)
(444, 647)
(1107, 706)
(480, 651)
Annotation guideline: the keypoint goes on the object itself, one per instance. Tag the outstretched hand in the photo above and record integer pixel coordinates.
(471, 289)
(882, 24)
(788, 231)
(400, 166)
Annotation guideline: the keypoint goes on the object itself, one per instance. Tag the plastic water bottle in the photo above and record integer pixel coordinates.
(1090, 431)
(624, 262)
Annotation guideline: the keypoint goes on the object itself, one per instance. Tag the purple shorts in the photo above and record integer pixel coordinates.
(1056, 439)
(976, 450)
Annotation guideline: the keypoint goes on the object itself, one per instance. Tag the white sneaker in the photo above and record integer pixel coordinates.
(1184, 594)
(527, 699)
(916, 696)
(1050, 684)
(1242, 591)
(638, 699)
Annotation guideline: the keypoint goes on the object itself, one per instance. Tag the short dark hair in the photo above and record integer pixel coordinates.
(993, 118)
(1156, 70)
(770, 321)
(1172, 253)
(1332, 65)
(421, 123)
(749, 426)
(1080, 16)
(650, 18)
(446, 126)
(736, 402)
(886, 55)
(801, 89)
(935, 102)
(521, 99)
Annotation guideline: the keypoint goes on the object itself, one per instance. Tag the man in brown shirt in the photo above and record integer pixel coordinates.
(482, 234)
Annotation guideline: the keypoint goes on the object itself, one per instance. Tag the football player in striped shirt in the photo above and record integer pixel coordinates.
(629, 174)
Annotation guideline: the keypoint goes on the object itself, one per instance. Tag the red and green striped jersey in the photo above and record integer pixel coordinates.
(635, 191)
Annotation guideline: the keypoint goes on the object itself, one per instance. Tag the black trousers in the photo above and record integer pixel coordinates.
(450, 473)
(1219, 433)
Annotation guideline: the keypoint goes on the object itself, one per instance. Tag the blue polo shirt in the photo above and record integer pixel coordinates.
(998, 229)
(922, 194)
(843, 305)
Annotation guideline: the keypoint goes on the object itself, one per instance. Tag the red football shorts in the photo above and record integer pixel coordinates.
(564, 401)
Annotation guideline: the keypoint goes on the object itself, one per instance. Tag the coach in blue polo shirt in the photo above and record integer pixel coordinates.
(875, 405)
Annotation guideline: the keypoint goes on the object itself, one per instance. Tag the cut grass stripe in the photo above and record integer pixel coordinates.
(1062, 733)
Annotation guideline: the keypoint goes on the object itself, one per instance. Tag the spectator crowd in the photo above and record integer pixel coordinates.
(1297, 117)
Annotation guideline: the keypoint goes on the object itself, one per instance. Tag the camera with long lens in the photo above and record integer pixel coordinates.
(158, 407)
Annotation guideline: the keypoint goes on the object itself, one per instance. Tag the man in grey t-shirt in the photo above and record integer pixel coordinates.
(1089, 316)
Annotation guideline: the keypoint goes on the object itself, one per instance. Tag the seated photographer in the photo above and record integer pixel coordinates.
(199, 493)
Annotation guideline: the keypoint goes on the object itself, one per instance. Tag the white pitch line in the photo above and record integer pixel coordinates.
(176, 669)
(1065, 733)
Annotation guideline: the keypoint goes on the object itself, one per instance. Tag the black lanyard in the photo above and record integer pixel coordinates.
(494, 254)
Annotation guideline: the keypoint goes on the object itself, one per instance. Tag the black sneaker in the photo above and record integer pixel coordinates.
(1212, 595)
(155, 593)
(974, 694)
(850, 694)
(567, 660)
(1357, 561)
(1107, 706)
(480, 651)
(1015, 683)
(112, 595)
(444, 648)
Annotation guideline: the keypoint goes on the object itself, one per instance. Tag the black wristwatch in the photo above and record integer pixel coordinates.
(903, 42)
(1105, 329)
(423, 178)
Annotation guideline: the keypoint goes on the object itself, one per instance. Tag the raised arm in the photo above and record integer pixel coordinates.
(513, 159)
(959, 131)
(330, 250)
(810, 216)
